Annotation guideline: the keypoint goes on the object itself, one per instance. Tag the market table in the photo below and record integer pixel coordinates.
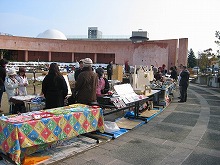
(28, 100)
(166, 92)
(20, 139)
(134, 104)
(154, 94)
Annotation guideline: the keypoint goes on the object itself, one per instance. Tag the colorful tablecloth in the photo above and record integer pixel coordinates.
(19, 139)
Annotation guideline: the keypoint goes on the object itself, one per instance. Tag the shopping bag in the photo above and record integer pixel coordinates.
(110, 126)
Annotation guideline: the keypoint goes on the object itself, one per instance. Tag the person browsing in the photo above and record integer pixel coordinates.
(103, 84)
(86, 84)
(23, 81)
(54, 87)
(11, 87)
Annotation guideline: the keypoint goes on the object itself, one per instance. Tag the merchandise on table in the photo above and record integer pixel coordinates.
(23, 134)
(38, 100)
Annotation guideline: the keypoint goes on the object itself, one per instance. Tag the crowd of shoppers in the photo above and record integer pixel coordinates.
(89, 83)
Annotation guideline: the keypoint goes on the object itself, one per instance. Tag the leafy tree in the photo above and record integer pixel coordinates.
(191, 59)
(217, 35)
(206, 58)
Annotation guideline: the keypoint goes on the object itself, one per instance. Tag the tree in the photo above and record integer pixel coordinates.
(191, 59)
(217, 35)
(206, 58)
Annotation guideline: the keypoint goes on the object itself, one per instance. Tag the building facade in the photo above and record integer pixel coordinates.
(153, 52)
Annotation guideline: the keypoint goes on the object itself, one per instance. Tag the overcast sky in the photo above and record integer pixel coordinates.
(196, 20)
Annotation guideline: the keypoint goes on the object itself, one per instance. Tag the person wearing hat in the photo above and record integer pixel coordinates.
(11, 88)
(11, 83)
(103, 84)
(86, 84)
(3, 63)
(23, 81)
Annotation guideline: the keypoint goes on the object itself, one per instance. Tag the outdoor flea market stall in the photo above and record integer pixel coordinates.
(27, 133)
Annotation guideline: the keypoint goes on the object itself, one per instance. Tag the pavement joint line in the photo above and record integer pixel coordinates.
(181, 153)
(207, 151)
(215, 116)
(213, 131)
(208, 90)
(194, 113)
(177, 125)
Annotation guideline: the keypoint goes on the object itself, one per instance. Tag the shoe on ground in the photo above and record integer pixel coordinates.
(180, 101)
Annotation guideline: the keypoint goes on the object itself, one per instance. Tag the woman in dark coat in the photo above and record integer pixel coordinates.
(54, 87)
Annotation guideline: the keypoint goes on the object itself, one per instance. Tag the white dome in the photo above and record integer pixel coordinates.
(52, 34)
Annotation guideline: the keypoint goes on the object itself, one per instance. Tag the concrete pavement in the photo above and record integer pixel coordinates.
(184, 133)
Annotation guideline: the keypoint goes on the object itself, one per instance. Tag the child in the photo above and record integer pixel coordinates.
(23, 82)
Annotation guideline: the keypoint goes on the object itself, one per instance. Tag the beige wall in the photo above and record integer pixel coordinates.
(146, 53)
(183, 51)
(151, 54)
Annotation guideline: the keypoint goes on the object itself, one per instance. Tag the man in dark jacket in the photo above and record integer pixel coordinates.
(3, 63)
(86, 84)
(184, 83)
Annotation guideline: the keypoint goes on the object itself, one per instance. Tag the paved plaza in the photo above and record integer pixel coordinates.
(184, 133)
